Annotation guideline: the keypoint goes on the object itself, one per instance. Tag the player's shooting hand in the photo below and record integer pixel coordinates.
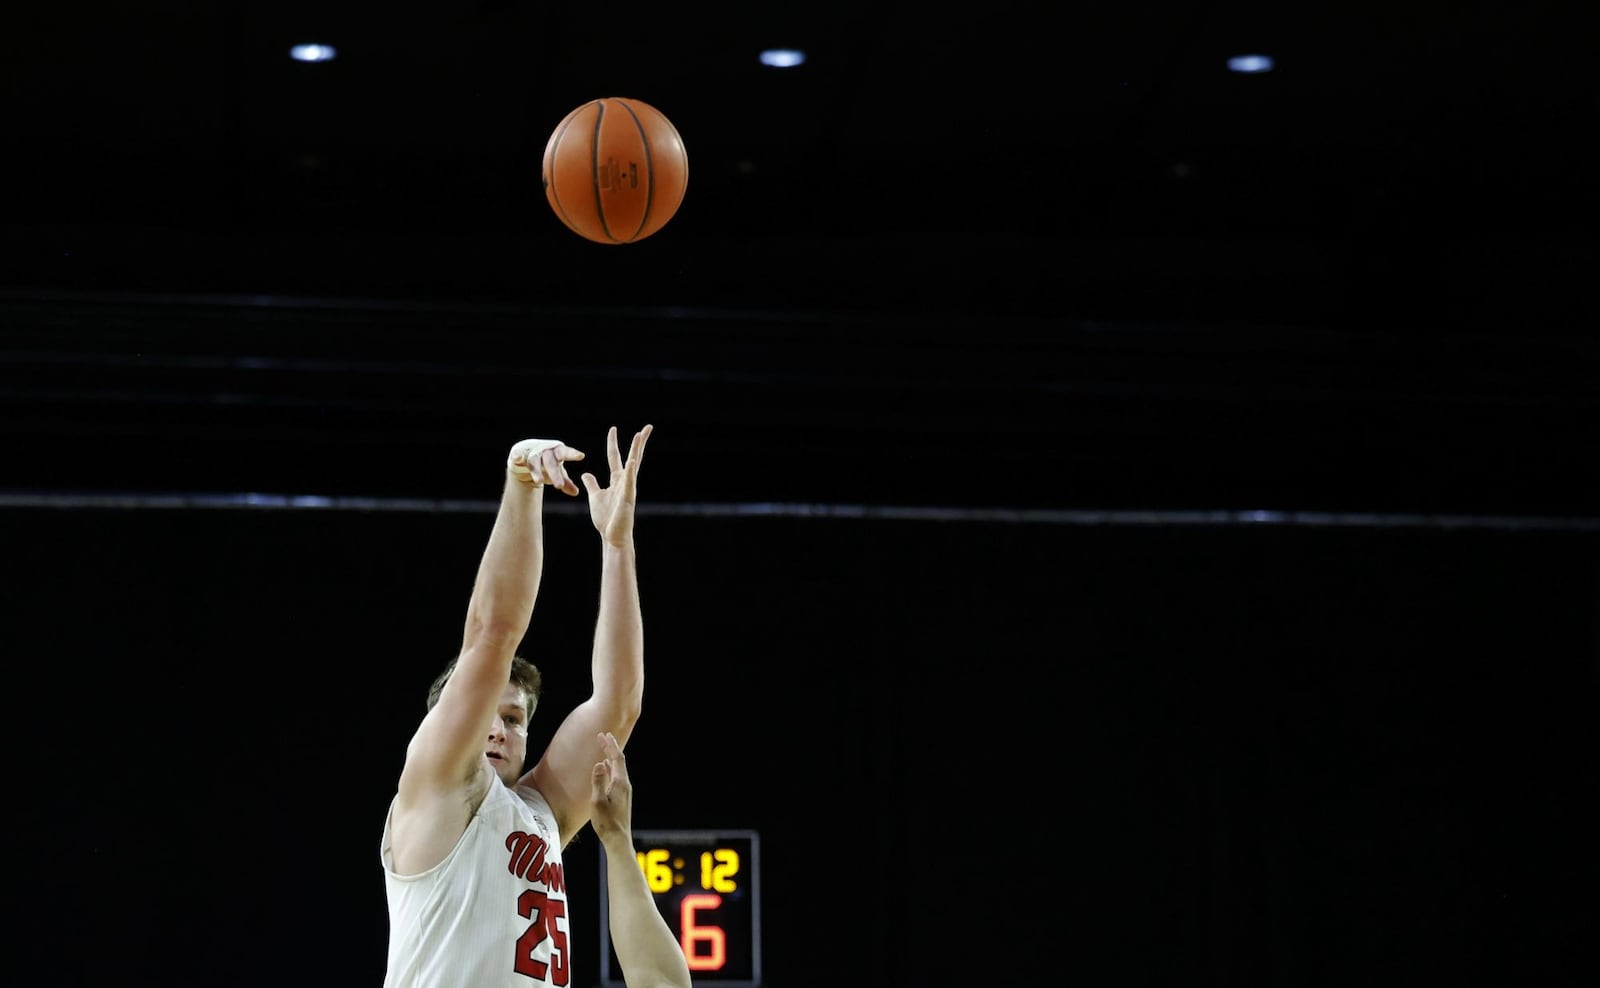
(542, 462)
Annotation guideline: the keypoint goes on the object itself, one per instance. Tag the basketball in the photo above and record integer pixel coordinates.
(615, 170)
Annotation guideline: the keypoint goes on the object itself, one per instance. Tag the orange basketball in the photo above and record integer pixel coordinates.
(615, 170)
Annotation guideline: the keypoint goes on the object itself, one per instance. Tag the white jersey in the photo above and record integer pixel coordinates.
(493, 913)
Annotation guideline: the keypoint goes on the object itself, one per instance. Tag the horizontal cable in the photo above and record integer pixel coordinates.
(1092, 517)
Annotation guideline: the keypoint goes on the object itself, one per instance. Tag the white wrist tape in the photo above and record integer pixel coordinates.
(525, 452)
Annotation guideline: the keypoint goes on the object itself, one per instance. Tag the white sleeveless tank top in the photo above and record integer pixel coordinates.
(493, 913)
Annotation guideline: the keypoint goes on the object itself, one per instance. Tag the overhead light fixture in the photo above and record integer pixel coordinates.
(1250, 63)
(313, 53)
(783, 58)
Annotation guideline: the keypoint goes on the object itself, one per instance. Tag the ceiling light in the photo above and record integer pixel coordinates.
(313, 53)
(783, 58)
(1250, 63)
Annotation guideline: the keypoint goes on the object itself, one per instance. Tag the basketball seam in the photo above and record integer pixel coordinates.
(594, 170)
(649, 170)
(555, 190)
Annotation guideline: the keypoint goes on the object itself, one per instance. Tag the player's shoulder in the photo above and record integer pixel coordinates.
(530, 794)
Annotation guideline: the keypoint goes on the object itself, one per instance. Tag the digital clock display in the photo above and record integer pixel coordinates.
(706, 886)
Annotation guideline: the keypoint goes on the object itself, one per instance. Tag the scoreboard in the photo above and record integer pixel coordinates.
(706, 885)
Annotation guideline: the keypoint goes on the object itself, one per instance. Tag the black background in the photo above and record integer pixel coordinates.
(1135, 755)
(1069, 243)
(1110, 519)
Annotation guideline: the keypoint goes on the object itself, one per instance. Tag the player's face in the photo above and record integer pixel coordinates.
(507, 745)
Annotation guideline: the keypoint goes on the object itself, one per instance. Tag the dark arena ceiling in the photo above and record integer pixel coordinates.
(1014, 256)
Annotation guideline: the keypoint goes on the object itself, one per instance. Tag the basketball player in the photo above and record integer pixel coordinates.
(649, 956)
(472, 845)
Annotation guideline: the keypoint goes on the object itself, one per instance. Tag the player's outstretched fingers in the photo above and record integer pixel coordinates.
(636, 457)
(636, 448)
(613, 458)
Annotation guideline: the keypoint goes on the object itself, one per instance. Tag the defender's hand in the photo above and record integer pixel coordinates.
(610, 790)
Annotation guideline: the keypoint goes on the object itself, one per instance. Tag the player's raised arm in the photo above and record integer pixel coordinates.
(448, 747)
(617, 664)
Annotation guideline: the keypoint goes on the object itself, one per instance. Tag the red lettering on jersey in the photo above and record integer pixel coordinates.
(528, 853)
